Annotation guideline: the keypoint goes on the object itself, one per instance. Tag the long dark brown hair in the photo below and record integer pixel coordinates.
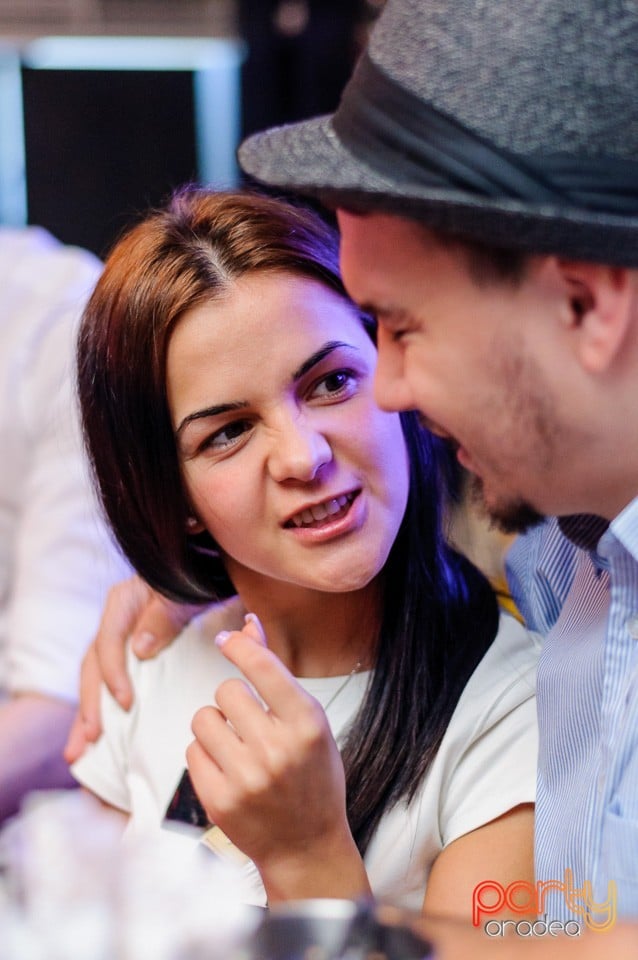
(439, 613)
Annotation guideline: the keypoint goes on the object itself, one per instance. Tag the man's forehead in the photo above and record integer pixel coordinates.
(360, 217)
(388, 262)
(385, 246)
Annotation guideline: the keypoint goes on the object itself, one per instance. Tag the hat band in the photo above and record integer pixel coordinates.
(411, 142)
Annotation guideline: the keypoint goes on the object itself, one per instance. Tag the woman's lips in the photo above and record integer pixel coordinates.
(333, 508)
(349, 516)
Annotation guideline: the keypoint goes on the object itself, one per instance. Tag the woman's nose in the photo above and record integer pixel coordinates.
(299, 451)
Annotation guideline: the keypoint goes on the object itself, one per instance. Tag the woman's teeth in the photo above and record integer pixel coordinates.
(322, 511)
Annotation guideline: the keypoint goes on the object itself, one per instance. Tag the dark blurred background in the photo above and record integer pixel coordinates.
(107, 105)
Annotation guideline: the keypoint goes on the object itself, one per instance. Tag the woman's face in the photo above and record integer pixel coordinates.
(288, 462)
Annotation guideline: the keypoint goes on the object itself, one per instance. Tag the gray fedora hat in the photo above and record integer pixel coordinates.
(514, 122)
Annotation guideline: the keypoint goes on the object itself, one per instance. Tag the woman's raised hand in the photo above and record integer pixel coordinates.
(268, 772)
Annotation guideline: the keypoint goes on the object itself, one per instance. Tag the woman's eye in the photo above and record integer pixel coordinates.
(336, 384)
(227, 436)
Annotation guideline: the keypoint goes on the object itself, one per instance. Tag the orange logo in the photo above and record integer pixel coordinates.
(520, 897)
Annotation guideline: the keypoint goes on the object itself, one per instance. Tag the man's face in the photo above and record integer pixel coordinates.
(459, 351)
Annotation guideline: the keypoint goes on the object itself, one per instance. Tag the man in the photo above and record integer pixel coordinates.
(483, 165)
(56, 561)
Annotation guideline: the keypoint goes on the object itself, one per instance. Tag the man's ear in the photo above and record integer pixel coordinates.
(602, 304)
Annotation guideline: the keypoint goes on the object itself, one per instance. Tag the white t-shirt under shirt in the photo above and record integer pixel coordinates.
(485, 766)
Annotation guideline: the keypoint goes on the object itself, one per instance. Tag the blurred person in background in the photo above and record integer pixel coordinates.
(56, 559)
(300, 54)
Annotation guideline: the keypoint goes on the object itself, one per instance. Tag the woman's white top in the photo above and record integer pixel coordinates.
(486, 763)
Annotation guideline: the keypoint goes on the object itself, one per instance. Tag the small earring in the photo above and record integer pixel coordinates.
(192, 523)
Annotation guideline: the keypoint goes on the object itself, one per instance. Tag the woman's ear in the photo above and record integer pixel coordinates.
(193, 525)
(602, 302)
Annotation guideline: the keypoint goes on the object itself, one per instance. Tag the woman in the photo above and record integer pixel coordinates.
(226, 386)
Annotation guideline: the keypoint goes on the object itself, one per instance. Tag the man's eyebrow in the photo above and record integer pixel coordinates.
(318, 356)
(213, 411)
(388, 313)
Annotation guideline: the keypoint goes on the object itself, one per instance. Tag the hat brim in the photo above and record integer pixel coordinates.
(308, 158)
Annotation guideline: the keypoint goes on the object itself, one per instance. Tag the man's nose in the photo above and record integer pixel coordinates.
(391, 388)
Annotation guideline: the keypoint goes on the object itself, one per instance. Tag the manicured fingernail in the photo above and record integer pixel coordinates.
(253, 618)
(120, 694)
(144, 643)
(222, 637)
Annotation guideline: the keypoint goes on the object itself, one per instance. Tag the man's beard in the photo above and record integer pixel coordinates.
(514, 516)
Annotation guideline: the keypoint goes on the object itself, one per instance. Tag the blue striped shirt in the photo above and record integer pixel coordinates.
(587, 800)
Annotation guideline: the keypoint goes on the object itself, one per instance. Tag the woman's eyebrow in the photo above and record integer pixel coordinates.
(318, 356)
(213, 411)
(307, 365)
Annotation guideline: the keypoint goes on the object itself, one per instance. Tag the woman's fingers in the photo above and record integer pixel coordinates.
(229, 776)
(273, 682)
(217, 738)
(265, 764)
(241, 707)
(254, 629)
(248, 744)
(268, 772)
(208, 780)
(280, 719)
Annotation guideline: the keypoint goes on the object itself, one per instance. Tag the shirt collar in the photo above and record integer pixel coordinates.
(586, 531)
(624, 528)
